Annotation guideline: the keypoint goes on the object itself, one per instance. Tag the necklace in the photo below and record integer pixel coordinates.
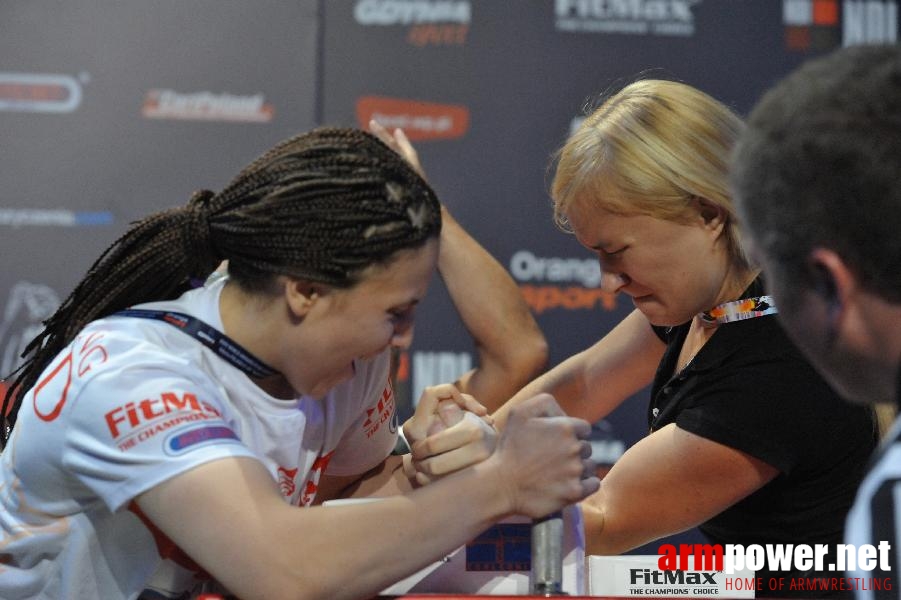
(739, 310)
(727, 312)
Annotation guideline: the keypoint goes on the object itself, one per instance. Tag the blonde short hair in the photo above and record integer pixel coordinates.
(651, 149)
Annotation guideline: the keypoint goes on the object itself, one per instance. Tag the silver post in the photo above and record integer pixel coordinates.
(547, 555)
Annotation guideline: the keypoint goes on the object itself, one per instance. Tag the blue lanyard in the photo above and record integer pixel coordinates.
(226, 348)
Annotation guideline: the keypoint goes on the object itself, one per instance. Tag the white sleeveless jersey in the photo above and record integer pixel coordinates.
(132, 402)
(875, 518)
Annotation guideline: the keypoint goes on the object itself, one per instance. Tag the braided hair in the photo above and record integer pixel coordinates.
(322, 206)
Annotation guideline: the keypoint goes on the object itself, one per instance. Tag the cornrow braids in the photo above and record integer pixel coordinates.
(322, 206)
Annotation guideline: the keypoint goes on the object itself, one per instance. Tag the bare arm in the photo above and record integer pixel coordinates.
(512, 349)
(666, 483)
(258, 546)
(592, 383)
(450, 429)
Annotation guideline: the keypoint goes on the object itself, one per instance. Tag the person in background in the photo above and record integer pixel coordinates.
(152, 423)
(746, 441)
(817, 178)
(511, 348)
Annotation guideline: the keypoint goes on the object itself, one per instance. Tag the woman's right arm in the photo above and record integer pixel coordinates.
(229, 517)
(592, 383)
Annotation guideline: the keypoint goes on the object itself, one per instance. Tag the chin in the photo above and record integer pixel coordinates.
(663, 319)
(321, 388)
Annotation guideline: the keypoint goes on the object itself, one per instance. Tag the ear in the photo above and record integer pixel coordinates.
(301, 295)
(833, 282)
(713, 216)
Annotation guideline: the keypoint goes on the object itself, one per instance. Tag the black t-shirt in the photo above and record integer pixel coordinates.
(750, 388)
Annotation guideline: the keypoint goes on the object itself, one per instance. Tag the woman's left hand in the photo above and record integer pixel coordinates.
(398, 141)
(449, 431)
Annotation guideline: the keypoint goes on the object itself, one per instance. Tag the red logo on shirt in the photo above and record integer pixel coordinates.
(135, 422)
(312, 484)
(380, 413)
(89, 354)
(286, 481)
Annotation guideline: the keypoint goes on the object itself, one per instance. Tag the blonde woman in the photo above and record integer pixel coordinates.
(745, 439)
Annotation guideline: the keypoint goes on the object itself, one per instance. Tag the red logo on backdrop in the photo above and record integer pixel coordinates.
(35, 92)
(810, 24)
(419, 120)
(206, 106)
(825, 24)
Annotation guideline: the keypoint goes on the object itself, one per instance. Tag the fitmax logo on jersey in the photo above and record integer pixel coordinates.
(37, 92)
(637, 17)
(819, 25)
(431, 22)
(583, 275)
(136, 422)
(206, 106)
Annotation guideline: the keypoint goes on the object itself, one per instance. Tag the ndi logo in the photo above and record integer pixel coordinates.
(869, 22)
(822, 25)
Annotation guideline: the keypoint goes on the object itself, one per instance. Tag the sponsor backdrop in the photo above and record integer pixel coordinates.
(110, 110)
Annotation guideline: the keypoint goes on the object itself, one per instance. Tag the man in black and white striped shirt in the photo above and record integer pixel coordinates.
(817, 176)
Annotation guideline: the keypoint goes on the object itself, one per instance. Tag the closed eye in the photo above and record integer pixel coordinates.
(401, 315)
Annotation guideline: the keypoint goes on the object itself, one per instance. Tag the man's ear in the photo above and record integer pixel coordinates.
(301, 295)
(833, 282)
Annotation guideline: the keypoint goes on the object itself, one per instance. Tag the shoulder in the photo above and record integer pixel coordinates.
(114, 362)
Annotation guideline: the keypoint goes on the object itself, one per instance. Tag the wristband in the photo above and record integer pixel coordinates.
(402, 446)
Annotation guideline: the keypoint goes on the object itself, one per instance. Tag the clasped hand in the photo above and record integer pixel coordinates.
(449, 431)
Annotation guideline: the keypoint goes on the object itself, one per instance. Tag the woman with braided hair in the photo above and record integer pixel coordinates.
(164, 436)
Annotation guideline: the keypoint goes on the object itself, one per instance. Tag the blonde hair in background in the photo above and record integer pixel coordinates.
(651, 149)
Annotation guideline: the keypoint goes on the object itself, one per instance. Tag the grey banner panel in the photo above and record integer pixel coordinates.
(111, 110)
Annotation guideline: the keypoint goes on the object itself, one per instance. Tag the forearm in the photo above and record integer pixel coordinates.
(404, 533)
(565, 383)
(258, 546)
(614, 535)
(592, 383)
(387, 479)
(512, 350)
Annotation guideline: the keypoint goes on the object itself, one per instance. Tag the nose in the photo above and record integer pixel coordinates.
(403, 337)
(613, 282)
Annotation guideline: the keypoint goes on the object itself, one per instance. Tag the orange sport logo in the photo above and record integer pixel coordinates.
(555, 282)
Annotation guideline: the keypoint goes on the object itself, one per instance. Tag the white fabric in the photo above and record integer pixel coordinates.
(871, 522)
(133, 402)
